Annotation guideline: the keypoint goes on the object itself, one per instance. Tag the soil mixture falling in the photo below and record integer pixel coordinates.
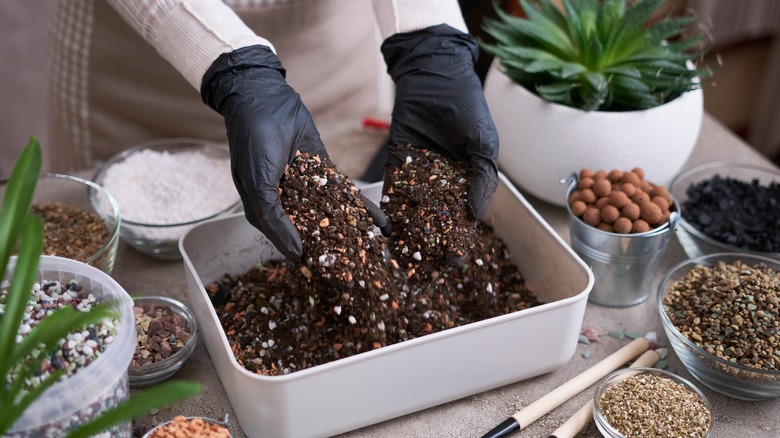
(355, 290)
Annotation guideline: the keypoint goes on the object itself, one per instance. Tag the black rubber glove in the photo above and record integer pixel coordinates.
(439, 104)
(266, 123)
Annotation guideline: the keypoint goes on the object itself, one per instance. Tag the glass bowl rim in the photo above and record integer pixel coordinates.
(114, 230)
(223, 423)
(671, 328)
(688, 227)
(719, 164)
(608, 382)
(179, 356)
(167, 144)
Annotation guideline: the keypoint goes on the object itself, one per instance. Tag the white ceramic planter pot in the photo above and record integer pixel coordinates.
(543, 143)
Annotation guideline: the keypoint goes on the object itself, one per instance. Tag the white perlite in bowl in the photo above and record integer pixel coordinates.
(163, 188)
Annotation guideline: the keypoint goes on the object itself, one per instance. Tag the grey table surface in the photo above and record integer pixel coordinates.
(474, 415)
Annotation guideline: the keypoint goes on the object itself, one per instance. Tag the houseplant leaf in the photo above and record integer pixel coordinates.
(24, 358)
(580, 48)
(159, 396)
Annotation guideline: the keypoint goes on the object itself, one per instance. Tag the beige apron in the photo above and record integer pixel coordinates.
(110, 90)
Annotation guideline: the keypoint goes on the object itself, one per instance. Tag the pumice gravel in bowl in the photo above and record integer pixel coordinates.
(167, 334)
(728, 207)
(720, 314)
(165, 187)
(645, 402)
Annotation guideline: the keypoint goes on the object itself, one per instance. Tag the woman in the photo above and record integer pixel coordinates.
(255, 64)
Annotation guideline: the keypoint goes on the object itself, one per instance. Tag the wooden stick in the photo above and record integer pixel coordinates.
(584, 416)
(561, 394)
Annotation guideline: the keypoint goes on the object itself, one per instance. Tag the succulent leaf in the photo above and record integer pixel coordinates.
(606, 55)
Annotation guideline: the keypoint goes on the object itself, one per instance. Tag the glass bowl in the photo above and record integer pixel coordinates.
(153, 373)
(600, 416)
(727, 377)
(211, 421)
(81, 219)
(166, 187)
(694, 241)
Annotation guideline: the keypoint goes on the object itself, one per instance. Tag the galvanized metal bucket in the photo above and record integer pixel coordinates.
(624, 265)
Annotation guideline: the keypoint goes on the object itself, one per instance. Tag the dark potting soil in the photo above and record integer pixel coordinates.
(735, 212)
(353, 291)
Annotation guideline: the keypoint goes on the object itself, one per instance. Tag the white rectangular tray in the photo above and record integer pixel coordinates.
(398, 379)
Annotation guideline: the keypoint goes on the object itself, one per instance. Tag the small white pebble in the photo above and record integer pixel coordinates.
(67, 298)
(337, 309)
(381, 326)
(661, 352)
(352, 319)
(361, 283)
(370, 235)
(264, 344)
(489, 288)
(408, 159)
(264, 310)
(271, 342)
(87, 350)
(417, 256)
(385, 199)
(271, 325)
(24, 329)
(478, 262)
(77, 337)
(108, 339)
(384, 297)
(71, 344)
(652, 337)
(36, 287)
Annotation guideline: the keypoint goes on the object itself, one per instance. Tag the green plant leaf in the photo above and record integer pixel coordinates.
(594, 39)
(156, 397)
(24, 275)
(18, 198)
(16, 408)
(543, 32)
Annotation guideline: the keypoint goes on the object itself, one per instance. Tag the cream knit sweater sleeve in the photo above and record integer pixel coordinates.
(191, 34)
(398, 16)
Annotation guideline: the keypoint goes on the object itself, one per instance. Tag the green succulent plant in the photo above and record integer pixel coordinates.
(22, 230)
(598, 55)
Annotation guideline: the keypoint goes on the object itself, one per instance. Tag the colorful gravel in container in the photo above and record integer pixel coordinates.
(77, 350)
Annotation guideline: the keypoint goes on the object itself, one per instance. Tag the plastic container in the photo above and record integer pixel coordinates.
(161, 240)
(728, 378)
(101, 385)
(388, 382)
(624, 265)
(601, 420)
(151, 374)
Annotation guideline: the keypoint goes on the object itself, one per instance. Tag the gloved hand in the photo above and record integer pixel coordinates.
(266, 123)
(439, 104)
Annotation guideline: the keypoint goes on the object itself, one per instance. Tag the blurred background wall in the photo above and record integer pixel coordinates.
(23, 76)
